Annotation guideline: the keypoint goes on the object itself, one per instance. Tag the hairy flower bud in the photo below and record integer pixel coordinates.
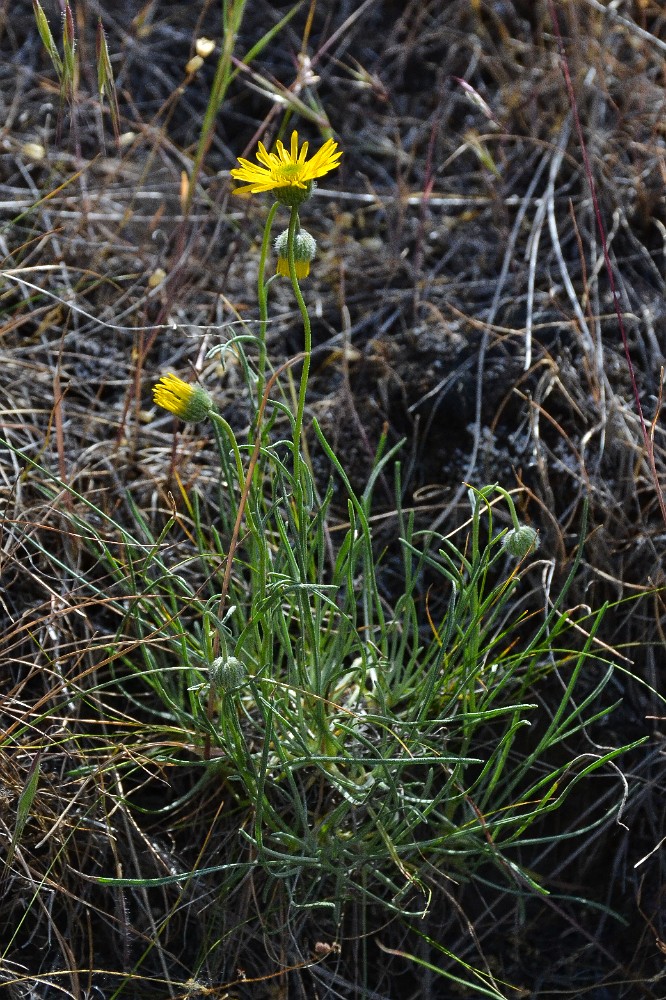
(519, 541)
(226, 674)
(305, 248)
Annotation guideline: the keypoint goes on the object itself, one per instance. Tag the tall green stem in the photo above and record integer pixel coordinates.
(262, 295)
(307, 343)
(232, 17)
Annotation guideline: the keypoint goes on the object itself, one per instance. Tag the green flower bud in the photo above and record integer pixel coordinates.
(519, 541)
(305, 248)
(226, 674)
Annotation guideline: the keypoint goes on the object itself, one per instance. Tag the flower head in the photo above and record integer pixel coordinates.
(305, 248)
(189, 402)
(286, 172)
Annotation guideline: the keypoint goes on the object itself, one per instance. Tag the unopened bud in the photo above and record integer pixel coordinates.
(226, 674)
(305, 248)
(519, 541)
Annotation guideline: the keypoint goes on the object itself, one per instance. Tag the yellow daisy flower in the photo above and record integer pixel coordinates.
(189, 402)
(287, 172)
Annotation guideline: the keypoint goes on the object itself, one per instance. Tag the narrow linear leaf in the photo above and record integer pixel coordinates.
(25, 801)
(47, 37)
(105, 80)
(68, 81)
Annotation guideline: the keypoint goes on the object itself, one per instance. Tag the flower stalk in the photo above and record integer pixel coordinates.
(290, 176)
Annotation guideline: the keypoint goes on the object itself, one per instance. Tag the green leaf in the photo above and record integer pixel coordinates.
(25, 801)
(105, 80)
(47, 37)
